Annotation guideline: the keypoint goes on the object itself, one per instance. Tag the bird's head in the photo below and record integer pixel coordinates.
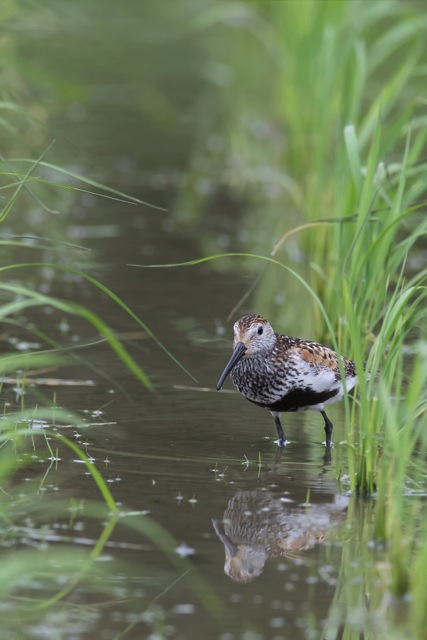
(255, 333)
(252, 334)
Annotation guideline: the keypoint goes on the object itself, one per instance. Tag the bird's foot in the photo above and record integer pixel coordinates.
(282, 442)
(329, 444)
(327, 458)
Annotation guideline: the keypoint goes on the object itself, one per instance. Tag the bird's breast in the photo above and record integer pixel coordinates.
(260, 381)
(286, 384)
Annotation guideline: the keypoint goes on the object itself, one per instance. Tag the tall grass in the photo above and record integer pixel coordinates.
(328, 151)
(335, 64)
(374, 305)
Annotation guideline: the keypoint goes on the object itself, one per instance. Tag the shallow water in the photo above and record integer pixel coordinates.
(187, 456)
(190, 457)
(261, 534)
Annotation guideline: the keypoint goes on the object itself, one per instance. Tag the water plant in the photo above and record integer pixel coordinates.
(330, 162)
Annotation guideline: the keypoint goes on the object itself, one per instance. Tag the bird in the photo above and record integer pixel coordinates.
(282, 373)
(260, 524)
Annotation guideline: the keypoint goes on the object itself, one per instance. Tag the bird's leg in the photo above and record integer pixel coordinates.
(282, 439)
(327, 456)
(328, 428)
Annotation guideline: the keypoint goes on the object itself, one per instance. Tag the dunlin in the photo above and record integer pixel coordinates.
(282, 373)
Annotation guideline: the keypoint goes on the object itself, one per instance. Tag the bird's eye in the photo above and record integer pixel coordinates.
(260, 331)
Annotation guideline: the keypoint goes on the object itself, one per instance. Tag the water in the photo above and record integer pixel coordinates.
(190, 457)
(259, 540)
(187, 455)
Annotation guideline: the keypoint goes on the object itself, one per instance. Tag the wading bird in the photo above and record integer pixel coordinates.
(282, 373)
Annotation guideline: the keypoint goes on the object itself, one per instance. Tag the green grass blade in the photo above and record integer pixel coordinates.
(111, 295)
(77, 309)
(21, 184)
(84, 179)
(99, 480)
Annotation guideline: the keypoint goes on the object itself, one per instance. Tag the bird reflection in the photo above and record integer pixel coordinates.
(261, 524)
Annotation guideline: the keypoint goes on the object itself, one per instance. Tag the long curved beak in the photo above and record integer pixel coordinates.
(238, 353)
(231, 549)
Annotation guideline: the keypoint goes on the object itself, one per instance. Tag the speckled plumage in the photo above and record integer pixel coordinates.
(283, 373)
(260, 524)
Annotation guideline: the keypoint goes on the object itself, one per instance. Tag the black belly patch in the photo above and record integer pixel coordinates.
(299, 399)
